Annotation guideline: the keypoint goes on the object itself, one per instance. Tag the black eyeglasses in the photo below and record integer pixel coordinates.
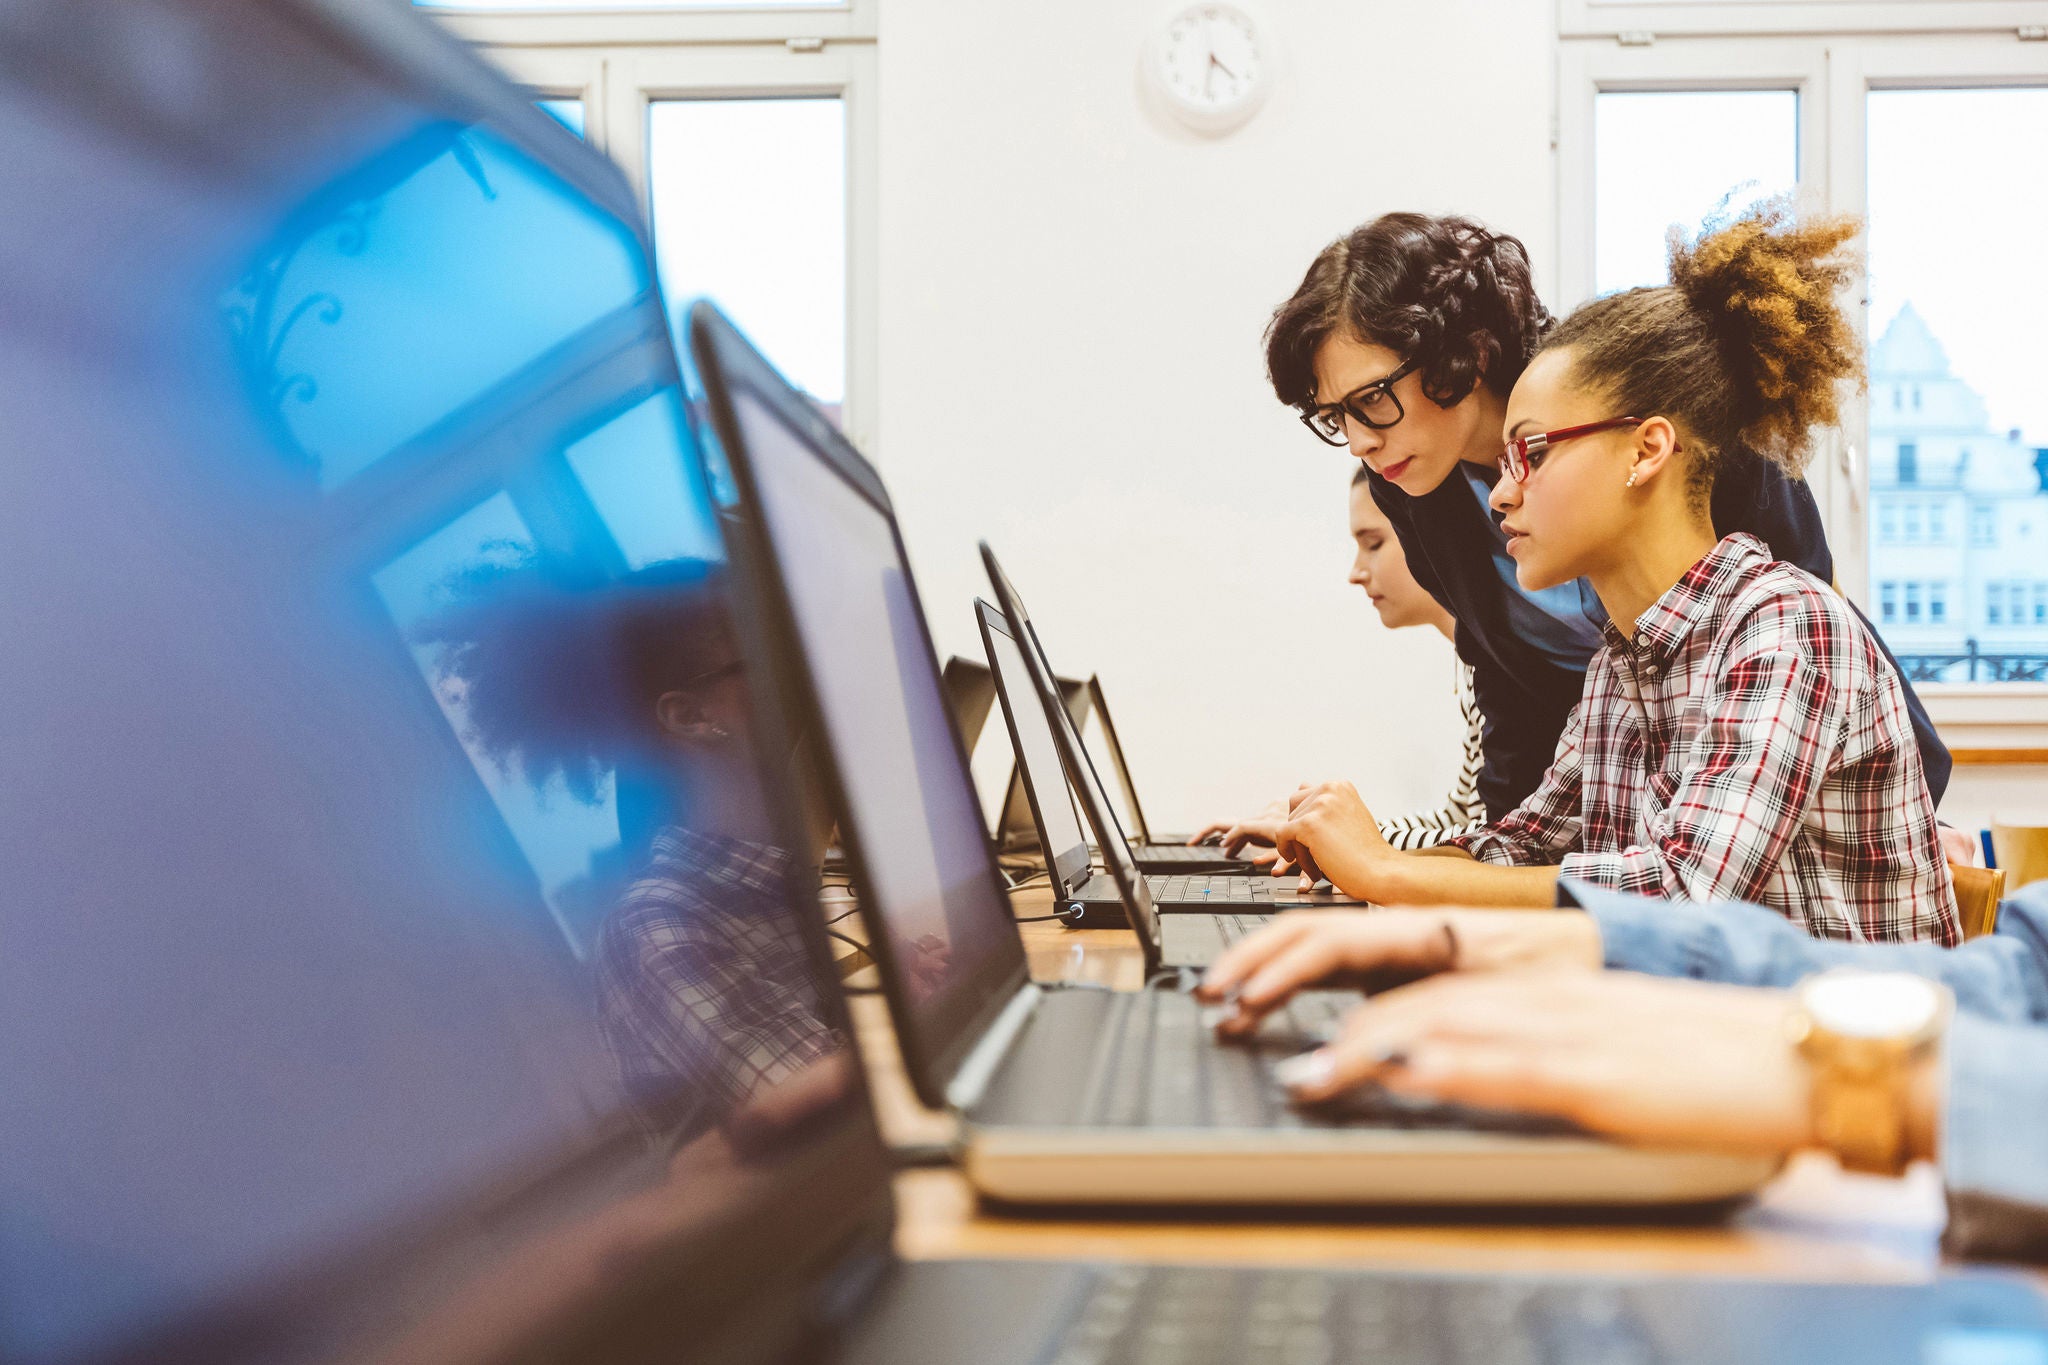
(1373, 405)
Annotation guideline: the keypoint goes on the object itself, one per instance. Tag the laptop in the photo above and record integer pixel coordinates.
(1066, 1094)
(1083, 897)
(1152, 852)
(970, 695)
(1142, 834)
(377, 1127)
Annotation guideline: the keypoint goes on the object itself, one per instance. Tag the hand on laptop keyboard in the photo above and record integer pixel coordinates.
(1376, 950)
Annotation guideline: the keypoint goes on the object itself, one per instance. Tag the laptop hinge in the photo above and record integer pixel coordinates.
(976, 1069)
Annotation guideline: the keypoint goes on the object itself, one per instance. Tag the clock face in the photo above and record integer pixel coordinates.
(1209, 65)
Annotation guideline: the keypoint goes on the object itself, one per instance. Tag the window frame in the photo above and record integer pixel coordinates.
(1755, 44)
(618, 62)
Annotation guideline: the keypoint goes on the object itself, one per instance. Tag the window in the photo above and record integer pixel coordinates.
(1912, 604)
(1969, 357)
(1982, 529)
(2041, 604)
(1739, 143)
(568, 113)
(773, 253)
(1876, 103)
(750, 127)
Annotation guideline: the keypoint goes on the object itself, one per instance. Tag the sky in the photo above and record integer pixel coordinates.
(1954, 216)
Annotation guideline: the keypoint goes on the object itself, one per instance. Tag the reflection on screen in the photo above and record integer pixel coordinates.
(390, 890)
(911, 801)
(1061, 826)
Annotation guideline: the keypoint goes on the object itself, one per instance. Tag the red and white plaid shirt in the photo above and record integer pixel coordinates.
(1750, 743)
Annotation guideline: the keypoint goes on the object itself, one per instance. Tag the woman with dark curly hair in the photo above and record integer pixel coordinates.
(1740, 734)
(1401, 344)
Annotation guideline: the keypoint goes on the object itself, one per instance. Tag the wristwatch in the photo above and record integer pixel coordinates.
(1865, 1034)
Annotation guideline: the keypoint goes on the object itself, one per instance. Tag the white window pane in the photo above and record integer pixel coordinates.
(568, 113)
(1956, 402)
(1671, 156)
(749, 201)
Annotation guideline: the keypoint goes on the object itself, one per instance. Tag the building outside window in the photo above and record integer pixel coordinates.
(1937, 603)
(1994, 475)
(1888, 602)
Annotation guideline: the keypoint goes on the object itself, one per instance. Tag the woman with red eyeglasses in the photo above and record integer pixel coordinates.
(1400, 346)
(1740, 733)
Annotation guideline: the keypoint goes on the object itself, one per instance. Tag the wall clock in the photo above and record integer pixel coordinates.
(1211, 66)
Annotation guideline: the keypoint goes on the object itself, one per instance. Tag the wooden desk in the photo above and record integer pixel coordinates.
(1812, 1223)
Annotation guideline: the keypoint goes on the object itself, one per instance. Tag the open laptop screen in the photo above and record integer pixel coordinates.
(1116, 855)
(912, 818)
(1059, 826)
(398, 955)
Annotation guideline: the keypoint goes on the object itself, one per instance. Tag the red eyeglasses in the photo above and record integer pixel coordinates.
(1519, 458)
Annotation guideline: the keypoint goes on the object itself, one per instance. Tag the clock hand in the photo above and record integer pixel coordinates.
(1213, 61)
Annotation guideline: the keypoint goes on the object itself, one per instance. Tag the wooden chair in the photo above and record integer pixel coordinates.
(1978, 891)
(2022, 850)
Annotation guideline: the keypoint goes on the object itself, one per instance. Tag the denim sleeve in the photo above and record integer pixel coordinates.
(2002, 977)
(1992, 1163)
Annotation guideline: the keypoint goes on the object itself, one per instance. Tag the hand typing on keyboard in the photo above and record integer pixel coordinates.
(1374, 950)
(1644, 1059)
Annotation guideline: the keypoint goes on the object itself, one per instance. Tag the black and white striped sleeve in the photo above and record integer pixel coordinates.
(1463, 812)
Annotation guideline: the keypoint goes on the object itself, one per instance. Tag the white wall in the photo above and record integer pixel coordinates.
(1073, 296)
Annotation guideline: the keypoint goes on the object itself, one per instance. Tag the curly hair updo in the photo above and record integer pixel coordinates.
(1442, 292)
(1746, 348)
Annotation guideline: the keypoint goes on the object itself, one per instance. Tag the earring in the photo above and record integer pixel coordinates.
(1631, 479)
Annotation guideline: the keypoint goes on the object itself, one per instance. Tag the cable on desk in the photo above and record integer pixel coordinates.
(1034, 919)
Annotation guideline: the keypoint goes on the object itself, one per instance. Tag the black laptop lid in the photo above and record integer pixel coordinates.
(1116, 854)
(819, 540)
(1060, 836)
(397, 957)
(970, 693)
(1100, 704)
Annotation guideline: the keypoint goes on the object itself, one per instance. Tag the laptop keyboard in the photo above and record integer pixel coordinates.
(1200, 855)
(1225, 888)
(1192, 1315)
(1159, 1065)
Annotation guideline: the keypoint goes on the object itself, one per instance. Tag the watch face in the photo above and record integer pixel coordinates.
(1872, 1004)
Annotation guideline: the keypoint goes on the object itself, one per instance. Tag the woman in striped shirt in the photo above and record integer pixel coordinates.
(1740, 735)
(1381, 568)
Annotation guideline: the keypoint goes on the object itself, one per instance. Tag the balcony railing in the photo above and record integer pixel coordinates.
(1975, 665)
